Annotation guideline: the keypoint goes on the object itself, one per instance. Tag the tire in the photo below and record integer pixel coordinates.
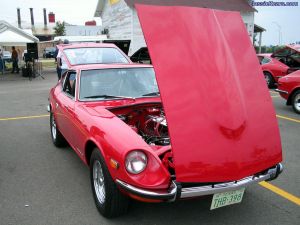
(296, 101)
(269, 79)
(109, 201)
(57, 138)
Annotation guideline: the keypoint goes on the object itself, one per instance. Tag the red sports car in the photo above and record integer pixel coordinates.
(280, 63)
(289, 89)
(192, 127)
(272, 68)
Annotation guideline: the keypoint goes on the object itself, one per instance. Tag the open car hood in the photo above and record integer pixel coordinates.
(221, 120)
(288, 50)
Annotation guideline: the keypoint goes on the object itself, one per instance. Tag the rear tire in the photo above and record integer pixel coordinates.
(269, 79)
(109, 201)
(57, 138)
(296, 101)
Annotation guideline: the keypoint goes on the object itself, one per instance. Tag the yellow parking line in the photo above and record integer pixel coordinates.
(23, 117)
(281, 192)
(288, 118)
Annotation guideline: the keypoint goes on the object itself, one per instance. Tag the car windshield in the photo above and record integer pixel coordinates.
(80, 56)
(265, 60)
(117, 83)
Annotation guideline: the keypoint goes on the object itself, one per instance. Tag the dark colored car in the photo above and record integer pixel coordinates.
(141, 56)
(49, 52)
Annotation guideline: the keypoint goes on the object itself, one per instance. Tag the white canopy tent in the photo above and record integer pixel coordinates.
(13, 36)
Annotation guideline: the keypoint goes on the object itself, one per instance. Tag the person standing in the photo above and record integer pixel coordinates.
(15, 59)
(61, 65)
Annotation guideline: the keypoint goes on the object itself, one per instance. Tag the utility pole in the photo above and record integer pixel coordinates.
(279, 32)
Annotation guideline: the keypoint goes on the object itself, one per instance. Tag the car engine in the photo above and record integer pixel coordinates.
(149, 122)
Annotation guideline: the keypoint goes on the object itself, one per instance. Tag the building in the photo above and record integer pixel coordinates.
(76, 30)
(120, 20)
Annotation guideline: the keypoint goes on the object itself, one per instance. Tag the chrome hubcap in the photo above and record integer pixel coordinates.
(98, 179)
(53, 128)
(267, 78)
(297, 102)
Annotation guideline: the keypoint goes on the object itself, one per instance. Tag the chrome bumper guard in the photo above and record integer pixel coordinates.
(281, 91)
(175, 192)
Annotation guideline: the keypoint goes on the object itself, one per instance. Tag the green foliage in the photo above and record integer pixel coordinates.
(60, 29)
(269, 49)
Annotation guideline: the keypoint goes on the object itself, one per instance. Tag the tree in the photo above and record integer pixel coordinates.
(60, 29)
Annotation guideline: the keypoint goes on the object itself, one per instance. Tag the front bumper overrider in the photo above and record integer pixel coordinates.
(175, 190)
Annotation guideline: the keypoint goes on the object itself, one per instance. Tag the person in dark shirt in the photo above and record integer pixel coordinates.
(15, 59)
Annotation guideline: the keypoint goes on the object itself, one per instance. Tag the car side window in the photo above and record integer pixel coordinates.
(69, 85)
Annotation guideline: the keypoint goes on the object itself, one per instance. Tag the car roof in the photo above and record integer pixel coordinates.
(264, 54)
(87, 45)
(109, 66)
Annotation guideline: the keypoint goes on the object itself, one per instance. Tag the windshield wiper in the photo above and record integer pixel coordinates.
(109, 96)
(152, 94)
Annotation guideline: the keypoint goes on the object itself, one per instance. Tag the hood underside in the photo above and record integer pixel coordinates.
(221, 120)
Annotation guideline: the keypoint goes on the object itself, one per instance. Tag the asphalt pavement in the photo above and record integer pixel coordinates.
(41, 184)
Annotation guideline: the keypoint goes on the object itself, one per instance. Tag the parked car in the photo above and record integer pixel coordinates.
(272, 68)
(289, 89)
(204, 131)
(280, 63)
(7, 56)
(141, 56)
(49, 52)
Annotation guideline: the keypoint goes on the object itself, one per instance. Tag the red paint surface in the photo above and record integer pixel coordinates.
(219, 111)
(289, 83)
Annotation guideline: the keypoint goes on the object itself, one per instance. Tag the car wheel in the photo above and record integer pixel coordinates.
(296, 101)
(57, 138)
(269, 79)
(109, 201)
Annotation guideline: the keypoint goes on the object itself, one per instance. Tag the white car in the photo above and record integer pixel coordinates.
(7, 56)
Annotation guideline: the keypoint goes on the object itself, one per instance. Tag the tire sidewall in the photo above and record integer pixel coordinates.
(271, 83)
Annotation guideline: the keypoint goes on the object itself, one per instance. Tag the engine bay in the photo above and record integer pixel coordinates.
(147, 121)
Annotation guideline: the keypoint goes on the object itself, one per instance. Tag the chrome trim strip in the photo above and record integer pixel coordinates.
(48, 108)
(281, 91)
(224, 187)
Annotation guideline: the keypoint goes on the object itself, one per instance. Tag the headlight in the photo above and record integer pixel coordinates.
(136, 162)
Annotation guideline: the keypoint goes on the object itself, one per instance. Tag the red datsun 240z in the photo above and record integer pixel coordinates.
(196, 123)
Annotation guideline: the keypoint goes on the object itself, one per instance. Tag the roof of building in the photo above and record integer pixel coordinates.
(258, 29)
(228, 5)
(11, 35)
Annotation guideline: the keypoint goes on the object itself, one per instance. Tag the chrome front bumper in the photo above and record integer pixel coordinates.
(176, 192)
(281, 91)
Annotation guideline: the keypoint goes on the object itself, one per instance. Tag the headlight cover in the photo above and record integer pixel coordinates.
(136, 162)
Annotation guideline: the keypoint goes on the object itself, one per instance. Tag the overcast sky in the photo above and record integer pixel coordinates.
(79, 11)
(288, 19)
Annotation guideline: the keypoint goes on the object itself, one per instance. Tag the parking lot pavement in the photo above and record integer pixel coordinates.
(40, 184)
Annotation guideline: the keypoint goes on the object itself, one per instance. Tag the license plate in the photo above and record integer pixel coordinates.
(227, 198)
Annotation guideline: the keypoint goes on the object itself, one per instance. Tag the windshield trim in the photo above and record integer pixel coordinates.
(115, 99)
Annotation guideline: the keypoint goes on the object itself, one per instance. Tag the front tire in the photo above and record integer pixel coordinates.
(109, 201)
(296, 101)
(57, 138)
(269, 79)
